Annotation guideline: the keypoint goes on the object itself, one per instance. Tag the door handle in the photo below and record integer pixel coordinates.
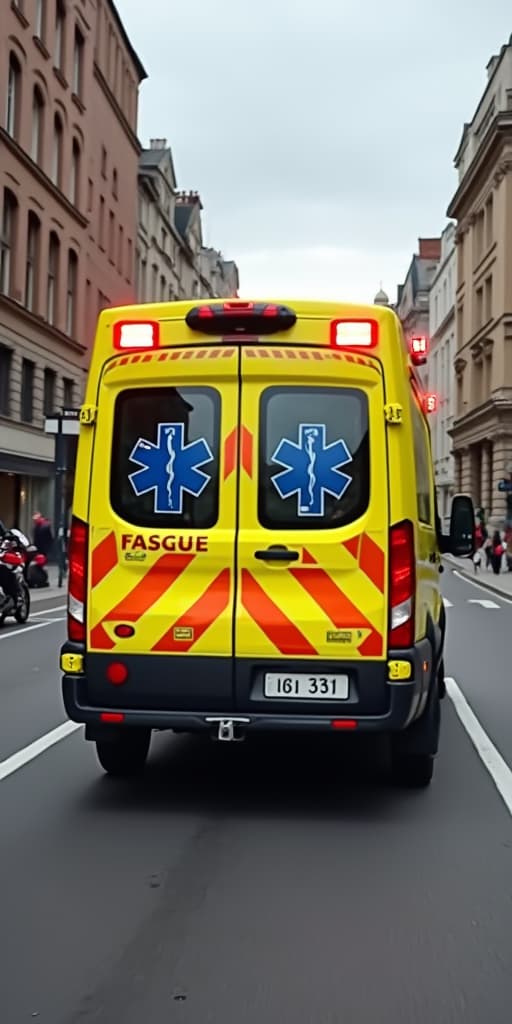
(277, 554)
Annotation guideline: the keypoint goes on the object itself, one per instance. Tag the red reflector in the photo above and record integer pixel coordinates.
(117, 673)
(112, 717)
(204, 312)
(354, 333)
(124, 631)
(136, 334)
(344, 723)
(430, 403)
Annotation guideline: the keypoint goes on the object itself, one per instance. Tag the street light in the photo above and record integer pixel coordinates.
(63, 425)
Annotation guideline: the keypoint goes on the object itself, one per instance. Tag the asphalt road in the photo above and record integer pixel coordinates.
(241, 884)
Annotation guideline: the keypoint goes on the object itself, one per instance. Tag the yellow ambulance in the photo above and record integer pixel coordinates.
(255, 544)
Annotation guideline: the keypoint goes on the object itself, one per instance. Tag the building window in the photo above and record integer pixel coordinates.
(78, 63)
(50, 378)
(115, 184)
(36, 149)
(489, 225)
(20, 6)
(60, 29)
(101, 233)
(41, 19)
(163, 289)
(53, 279)
(5, 379)
(164, 240)
(111, 237)
(90, 195)
(71, 293)
(129, 269)
(74, 184)
(8, 241)
(120, 249)
(488, 299)
(13, 96)
(479, 229)
(479, 308)
(154, 283)
(27, 391)
(58, 140)
(31, 270)
(103, 162)
(69, 392)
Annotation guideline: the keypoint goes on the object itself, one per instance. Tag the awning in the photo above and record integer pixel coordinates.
(25, 466)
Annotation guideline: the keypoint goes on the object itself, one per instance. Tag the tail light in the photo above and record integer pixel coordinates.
(402, 585)
(77, 590)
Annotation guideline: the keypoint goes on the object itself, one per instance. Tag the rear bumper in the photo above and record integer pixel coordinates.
(375, 705)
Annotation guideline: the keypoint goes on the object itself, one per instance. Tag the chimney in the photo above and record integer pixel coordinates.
(429, 248)
(158, 144)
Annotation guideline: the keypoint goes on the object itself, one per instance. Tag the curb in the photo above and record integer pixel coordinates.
(478, 579)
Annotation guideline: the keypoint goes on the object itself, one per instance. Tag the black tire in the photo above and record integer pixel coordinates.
(412, 771)
(126, 755)
(22, 613)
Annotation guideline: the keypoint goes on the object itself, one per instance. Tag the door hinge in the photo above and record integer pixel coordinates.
(88, 415)
(393, 412)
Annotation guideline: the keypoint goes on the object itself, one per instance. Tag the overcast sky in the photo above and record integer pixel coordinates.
(320, 134)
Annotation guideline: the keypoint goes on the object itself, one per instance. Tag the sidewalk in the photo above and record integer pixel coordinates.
(53, 591)
(501, 585)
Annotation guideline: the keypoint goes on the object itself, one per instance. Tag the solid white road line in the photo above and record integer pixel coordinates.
(484, 603)
(27, 629)
(498, 769)
(22, 757)
(480, 586)
(48, 611)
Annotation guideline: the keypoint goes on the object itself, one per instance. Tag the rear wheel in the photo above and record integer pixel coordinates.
(413, 771)
(23, 610)
(125, 755)
(413, 751)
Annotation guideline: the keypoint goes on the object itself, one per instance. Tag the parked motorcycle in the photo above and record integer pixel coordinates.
(14, 592)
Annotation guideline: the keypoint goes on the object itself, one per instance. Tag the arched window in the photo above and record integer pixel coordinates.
(52, 290)
(74, 184)
(71, 293)
(58, 141)
(60, 26)
(36, 150)
(8, 241)
(12, 120)
(32, 264)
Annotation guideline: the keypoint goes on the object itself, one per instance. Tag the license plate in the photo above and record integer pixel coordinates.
(300, 686)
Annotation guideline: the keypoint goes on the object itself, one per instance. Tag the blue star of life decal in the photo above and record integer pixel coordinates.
(312, 469)
(170, 467)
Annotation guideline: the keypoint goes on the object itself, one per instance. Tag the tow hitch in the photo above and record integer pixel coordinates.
(229, 730)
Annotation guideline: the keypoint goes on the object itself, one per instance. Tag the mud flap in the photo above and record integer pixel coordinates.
(422, 737)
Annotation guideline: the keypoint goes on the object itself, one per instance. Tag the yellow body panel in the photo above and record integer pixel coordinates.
(203, 591)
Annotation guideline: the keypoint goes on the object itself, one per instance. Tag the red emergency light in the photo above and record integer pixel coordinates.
(354, 333)
(430, 402)
(130, 335)
(418, 347)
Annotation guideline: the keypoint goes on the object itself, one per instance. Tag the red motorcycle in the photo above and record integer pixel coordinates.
(14, 592)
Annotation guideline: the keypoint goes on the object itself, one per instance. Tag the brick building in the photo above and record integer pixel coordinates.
(69, 81)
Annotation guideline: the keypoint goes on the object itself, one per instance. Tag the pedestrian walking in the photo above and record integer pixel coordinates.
(497, 551)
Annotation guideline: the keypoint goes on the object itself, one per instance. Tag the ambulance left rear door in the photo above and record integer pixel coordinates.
(162, 530)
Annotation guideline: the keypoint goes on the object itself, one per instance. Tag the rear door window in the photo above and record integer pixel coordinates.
(165, 457)
(314, 460)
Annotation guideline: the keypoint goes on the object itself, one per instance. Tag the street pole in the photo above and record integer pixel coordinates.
(62, 424)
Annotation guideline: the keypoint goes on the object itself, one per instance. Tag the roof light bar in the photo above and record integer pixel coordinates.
(237, 317)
